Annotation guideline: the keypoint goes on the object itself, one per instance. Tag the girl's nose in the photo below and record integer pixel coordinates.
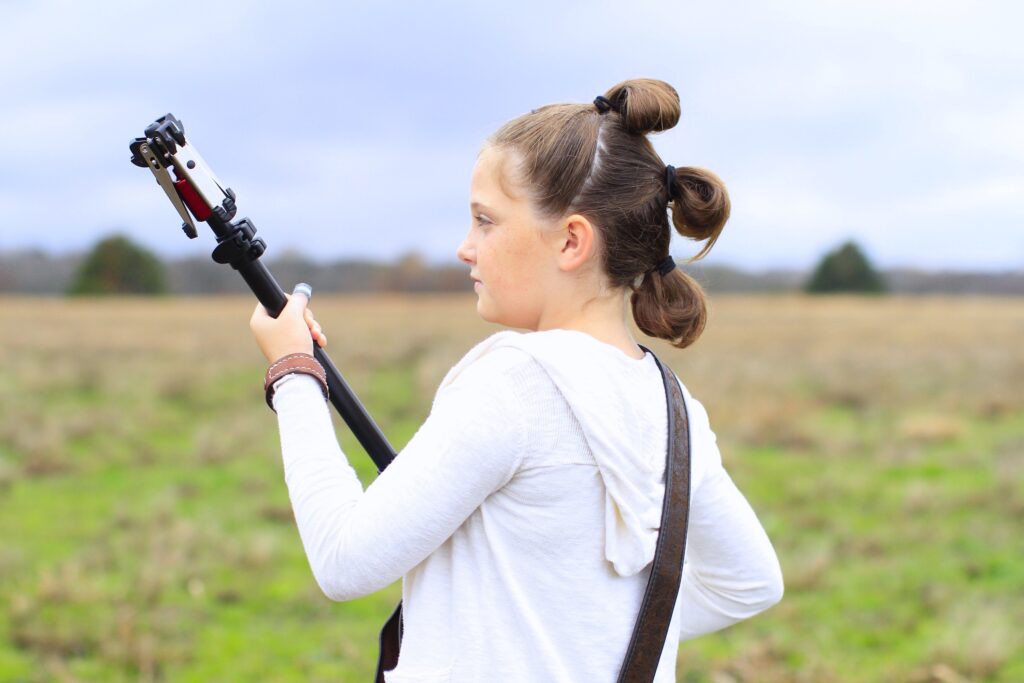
(464, 252)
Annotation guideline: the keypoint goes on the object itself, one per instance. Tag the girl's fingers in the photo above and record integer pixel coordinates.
(310, 320)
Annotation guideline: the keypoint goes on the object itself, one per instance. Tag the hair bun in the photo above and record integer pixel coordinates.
(702, 205)
(646, 105)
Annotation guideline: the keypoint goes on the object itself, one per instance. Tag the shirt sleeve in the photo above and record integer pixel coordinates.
(731, 570)
(360, 541)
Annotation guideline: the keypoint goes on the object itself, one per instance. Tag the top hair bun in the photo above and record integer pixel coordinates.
(646, 105)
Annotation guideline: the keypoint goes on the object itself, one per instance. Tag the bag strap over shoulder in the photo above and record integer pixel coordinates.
(648, 641)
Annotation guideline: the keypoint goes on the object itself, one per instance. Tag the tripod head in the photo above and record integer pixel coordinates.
(194, 190)
(164, 149)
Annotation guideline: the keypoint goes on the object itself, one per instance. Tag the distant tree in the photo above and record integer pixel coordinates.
(845, 269)
(116, 265)
(409, 273)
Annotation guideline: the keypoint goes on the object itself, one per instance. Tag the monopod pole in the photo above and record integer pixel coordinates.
(195, 191)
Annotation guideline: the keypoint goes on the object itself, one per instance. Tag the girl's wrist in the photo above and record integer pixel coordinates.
(275, 353)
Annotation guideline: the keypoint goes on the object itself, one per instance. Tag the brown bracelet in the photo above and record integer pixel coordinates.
(294, 362)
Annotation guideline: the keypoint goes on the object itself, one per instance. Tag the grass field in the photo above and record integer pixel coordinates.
(147, 533)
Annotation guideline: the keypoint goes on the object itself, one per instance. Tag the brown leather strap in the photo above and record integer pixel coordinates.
(390, 644)
(293, 362)
(648, 641)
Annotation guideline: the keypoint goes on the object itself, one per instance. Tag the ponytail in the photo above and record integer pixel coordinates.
(670, 307)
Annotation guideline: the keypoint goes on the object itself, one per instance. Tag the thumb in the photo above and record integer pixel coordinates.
(298, 300)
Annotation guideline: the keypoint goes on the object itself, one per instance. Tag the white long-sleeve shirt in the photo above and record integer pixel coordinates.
(522, 515)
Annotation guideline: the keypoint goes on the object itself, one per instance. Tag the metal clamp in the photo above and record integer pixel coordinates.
(193, 188)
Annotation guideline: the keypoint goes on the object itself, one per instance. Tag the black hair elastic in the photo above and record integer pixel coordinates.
(670, 181)
(603, 104)
(666, 266)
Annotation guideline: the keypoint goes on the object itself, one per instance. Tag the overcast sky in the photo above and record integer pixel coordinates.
(350, 129)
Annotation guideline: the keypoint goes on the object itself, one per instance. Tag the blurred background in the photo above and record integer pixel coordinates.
(861, 365)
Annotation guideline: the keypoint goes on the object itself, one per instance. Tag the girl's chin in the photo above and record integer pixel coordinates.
(484, 312)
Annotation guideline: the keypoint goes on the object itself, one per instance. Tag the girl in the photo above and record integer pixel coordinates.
(523, 514)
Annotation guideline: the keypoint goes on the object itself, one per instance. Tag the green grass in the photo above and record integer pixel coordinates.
(147, 532)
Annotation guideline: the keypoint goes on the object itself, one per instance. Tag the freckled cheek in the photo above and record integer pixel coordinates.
(521, 256)
(514, 269)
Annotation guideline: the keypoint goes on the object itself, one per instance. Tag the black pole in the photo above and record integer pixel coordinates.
(235, 246)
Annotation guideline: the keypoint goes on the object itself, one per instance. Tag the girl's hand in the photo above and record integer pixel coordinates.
(294, 331)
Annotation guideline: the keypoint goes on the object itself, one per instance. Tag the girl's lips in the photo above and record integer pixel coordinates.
(477, 284)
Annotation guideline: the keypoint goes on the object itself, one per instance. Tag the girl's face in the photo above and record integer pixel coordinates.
(511, 257)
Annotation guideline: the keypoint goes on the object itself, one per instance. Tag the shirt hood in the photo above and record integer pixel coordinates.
(607, 392)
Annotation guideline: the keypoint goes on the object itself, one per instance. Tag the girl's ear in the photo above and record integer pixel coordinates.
(578, 242)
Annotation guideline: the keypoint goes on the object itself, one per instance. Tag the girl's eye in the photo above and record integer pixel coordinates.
(481, 220)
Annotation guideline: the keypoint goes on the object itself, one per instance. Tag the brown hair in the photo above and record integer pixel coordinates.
(575, 159)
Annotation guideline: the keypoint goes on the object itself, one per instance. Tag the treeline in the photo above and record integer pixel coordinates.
(39, 273)
(36, 272)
